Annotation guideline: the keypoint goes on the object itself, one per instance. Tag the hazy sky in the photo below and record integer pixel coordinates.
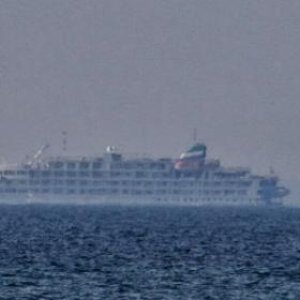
(141, 74)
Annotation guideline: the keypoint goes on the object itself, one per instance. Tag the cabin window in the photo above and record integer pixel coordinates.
(140, 174)
(57, 164)
(45, 173)
(242, 192)
(97, 174)
(71, 165)
(21, 172)
(59, 173)
(229, 192)
(161, 166)
(96, 165)
(9, 172)
(33, 182)
(84, 174)
(84, 165)
(70, 182)
(22, 182)
(56, 182)
(71, 173)
(115, 174)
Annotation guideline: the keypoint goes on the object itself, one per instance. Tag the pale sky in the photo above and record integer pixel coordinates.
(141, 74)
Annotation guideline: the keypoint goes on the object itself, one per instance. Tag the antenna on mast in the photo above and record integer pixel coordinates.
(64, 140)
(195, 137)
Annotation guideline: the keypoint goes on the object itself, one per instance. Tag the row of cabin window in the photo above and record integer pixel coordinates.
(136, 174)
(124, 191)
(98, 165)
(140, 166)
(66, 174)
(76, 181)
(82, 191)
(112, 183)
(206, 199)
(95, 174)
(74, 165)
(232, 175)
(75, 191)
(47, 173)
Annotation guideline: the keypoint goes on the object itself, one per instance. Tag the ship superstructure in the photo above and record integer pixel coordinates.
(191, 179)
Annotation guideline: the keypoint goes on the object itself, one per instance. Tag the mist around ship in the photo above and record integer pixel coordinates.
(141, 76)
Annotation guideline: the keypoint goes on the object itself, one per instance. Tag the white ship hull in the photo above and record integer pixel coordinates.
(191, 180)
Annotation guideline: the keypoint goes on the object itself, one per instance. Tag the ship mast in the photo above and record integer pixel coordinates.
(195, 135)
(64, 140)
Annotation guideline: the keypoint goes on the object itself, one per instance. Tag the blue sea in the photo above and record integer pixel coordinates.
(127, 252)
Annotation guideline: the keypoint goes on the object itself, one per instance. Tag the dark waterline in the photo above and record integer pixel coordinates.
(103, 252)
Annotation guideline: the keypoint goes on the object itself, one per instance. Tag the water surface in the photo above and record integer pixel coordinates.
(102, 252)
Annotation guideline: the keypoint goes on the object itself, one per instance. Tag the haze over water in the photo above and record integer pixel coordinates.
(127, 252)
(141, 75)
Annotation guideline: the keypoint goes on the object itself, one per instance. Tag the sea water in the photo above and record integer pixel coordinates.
(127, 252)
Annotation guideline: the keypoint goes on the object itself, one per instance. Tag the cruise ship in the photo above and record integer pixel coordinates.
(113, 178)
